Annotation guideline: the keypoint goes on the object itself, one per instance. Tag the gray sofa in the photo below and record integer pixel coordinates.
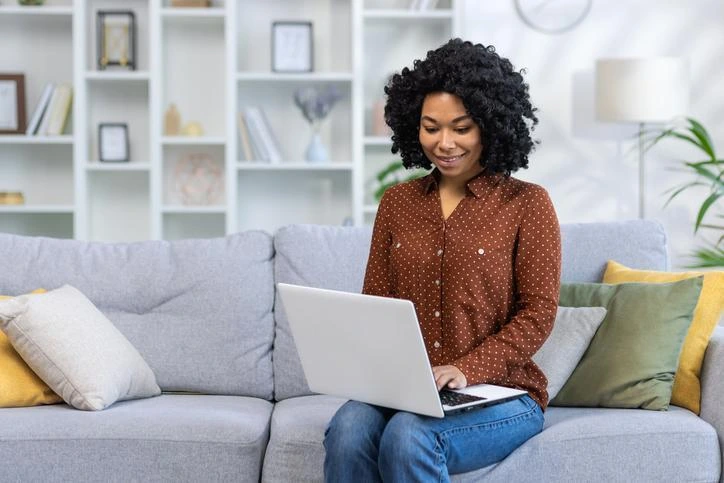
(236, 407)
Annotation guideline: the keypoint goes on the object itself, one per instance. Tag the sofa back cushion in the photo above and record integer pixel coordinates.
(335, 258)
(198, 311)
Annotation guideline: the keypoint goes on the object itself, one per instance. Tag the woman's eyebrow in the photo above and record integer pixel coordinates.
(457, 119)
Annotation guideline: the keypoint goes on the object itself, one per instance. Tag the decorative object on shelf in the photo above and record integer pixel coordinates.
(192, 128)
(263, 143)
(645, 90)
(56, 114)
(11, 198)
(198, 179)
(12, 103)
(190, 3)
(31, 2)
(116, 39)
(315, 103)
(292, 47)
(392, 174)
(40, 109)
(553, 16)
(113, 142)
(172, 121)
(708, 174)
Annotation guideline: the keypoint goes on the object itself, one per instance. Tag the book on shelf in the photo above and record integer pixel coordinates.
(40, 109)
(56, 114)
(246, 149)
(262, 135)
(257, 147)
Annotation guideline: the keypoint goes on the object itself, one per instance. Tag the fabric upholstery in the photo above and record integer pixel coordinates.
(75, 349)
(633, 357)
(198, 311)
(167, 438)
(712, 389)
(687, 388)
(573, 330)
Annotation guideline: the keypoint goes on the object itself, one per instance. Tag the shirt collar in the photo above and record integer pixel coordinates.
(476, 185)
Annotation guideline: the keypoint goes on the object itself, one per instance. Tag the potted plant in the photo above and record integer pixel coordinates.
(392, 174)
(708, 174)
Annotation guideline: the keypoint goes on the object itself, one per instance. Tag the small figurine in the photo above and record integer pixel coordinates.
(172, 121)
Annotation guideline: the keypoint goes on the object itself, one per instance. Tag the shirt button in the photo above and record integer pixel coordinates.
(437, 313)
(439, 252)
(480, 251)
(398, 245)
(437, 282)
(437, 345)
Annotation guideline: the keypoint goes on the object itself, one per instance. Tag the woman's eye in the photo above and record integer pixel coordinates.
(462, 130)
(430, 129)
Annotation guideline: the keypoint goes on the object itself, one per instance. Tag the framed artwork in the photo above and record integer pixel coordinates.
(116, 39)
(12, 103)
(113, 142)
(292, 49)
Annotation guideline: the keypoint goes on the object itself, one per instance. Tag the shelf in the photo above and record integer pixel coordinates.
(37, 209)
(293, 166)
(401, 14)
(295, 77)
(99, 75)
(191, 12)
(377, 141)
(122, 166)
(23, 139)
(193, 141)
(37, 10)
(192, 210)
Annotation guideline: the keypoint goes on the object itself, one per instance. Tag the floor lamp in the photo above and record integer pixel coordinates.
(647, 90)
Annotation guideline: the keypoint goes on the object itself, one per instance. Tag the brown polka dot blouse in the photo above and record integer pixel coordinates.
(484, 281)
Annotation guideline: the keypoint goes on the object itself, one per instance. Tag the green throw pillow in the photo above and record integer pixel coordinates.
(632, 359)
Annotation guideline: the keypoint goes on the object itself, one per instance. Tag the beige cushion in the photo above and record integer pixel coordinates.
(572, 332)
(75, 349)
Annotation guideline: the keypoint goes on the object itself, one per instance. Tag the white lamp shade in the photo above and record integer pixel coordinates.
(641, 90)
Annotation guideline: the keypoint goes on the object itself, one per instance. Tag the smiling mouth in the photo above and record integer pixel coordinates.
(449, 159)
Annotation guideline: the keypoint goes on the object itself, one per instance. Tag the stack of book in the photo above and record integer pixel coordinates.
(51, 113)
(258, 142)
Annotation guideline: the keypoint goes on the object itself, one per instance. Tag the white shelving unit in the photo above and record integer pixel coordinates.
(210, 63)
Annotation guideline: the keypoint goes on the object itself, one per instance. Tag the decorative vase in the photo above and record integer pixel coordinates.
(316, 151)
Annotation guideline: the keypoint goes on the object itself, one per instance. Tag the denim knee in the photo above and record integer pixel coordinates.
(355, 426)
(406, 440)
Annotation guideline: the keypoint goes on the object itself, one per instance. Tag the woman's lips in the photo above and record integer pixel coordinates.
(449, 160)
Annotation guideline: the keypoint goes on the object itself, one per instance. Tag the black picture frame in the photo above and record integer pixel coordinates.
(292, 46)
(113, 48)
(113, 145)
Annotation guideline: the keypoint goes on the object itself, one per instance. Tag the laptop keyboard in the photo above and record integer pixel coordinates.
(450, 398)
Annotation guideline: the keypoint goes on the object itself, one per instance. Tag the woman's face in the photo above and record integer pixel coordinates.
(450, 138)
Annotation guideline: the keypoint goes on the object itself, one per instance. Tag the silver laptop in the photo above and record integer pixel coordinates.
(370, 349)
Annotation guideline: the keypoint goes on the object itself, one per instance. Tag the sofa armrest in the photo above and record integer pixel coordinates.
(712, 388)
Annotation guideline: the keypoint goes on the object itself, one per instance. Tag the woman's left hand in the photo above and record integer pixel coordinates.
(449, 376)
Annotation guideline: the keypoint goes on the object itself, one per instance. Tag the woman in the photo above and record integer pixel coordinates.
(476, 251)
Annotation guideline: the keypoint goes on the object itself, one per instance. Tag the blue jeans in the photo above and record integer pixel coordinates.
(369, 443)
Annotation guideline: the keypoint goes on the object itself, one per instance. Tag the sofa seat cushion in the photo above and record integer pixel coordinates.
(169, 438)
(295, 451)
(577, 444)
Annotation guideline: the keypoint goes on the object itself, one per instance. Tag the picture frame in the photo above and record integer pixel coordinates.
(12, 103)
(292, 46)
(113, 145)
(116, 39)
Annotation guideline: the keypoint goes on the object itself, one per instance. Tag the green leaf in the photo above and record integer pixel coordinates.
(703, 136)
(708, 258)
(710, 200)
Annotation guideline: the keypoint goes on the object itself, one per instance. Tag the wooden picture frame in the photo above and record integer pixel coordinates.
(113, 145)
(116, 39)
(12, 104)
(292, 47)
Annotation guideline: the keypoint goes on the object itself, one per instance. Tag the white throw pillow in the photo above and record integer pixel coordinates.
(572, 332)
(75, 349)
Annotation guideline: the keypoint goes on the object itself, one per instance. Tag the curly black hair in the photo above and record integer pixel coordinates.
(494, 95)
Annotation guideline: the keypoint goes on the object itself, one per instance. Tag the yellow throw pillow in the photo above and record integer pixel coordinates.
(19, 386)
(686, 392)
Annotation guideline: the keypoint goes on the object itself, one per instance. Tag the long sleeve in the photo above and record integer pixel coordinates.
(378, 275)
(537, 268)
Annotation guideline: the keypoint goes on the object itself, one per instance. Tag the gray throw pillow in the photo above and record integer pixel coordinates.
(75, 349)
(572, 333)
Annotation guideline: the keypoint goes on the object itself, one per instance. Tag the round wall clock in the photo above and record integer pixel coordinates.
(553, 16)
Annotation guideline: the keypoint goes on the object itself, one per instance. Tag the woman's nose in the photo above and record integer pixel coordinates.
(446, 140)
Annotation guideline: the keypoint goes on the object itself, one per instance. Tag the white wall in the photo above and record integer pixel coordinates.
(590, 168)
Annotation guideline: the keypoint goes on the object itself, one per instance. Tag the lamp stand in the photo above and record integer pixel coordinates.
(642, 174)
